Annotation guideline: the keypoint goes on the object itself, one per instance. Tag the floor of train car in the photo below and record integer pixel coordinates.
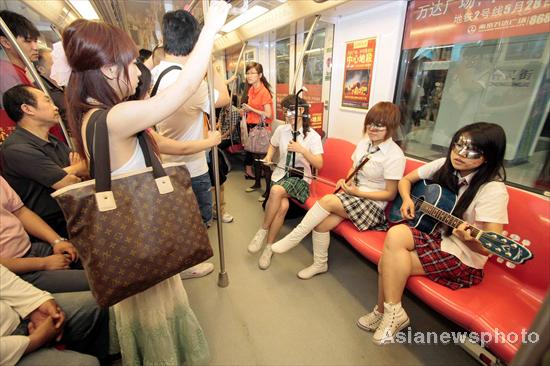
(272, 317)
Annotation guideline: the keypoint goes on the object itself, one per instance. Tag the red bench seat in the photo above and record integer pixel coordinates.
(507, 300)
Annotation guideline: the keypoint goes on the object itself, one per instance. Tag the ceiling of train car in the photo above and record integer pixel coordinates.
(142, 18)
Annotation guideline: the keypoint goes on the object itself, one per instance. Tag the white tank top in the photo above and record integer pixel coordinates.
(137, 161)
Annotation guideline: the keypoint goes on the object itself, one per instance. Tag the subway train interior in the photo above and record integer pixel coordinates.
(330, 113)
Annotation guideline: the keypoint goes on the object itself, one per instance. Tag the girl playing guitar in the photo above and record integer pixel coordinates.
(473, 169)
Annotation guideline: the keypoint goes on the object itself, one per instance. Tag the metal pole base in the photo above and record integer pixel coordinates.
(223, 279)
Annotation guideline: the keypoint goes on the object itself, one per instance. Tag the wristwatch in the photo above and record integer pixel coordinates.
(59, 240)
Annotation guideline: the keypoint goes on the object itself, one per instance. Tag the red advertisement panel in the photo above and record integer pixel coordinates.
(358, 73)
(441, 22)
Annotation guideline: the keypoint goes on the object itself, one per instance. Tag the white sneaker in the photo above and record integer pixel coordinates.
(371, 321)
(261, 199)
(257, 241)
(265, 258)
(199, 270)
(393, 320)
(227, 218)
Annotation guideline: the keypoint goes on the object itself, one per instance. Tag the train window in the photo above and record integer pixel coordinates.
(282, 63)
(445, 83)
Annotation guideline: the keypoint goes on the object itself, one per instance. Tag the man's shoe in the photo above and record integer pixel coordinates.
(200, 270)
(227, 218)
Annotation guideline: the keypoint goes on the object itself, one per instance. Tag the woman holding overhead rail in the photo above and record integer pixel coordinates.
(156, 326)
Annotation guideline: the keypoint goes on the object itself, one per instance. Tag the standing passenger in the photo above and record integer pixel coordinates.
(156, 326)
(180, 31)
(258, 107)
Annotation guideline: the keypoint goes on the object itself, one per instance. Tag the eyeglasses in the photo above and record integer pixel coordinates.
(251, 73)
(376, 126)
(464, 148)
(290, 113)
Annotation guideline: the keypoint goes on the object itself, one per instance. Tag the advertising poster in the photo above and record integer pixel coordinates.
(358, 70)
(441, 22)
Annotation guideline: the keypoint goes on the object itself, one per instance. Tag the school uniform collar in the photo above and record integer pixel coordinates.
(466, 179)
(384, 147)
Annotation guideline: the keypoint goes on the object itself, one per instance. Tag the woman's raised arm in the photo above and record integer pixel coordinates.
(128, 118)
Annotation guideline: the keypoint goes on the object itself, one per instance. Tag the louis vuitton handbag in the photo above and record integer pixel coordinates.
(133, 230)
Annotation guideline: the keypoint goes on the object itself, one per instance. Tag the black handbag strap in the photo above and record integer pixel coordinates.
(97, 141)
(156, 87)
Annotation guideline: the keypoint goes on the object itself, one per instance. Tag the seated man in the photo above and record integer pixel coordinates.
(44, 265)
(72, 319)
(35, 163)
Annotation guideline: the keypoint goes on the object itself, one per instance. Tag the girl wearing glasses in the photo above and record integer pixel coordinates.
(473, 168)
(258, 107)
(309, 153)
(364, 199)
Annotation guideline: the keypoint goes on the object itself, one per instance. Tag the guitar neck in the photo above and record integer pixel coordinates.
(444, 217)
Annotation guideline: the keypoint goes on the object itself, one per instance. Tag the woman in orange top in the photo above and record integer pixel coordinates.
(258, 105)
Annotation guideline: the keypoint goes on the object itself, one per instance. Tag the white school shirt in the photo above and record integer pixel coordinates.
(17, 300)
(186, 124)
(388, 163)
(489, 205)
(282, 137)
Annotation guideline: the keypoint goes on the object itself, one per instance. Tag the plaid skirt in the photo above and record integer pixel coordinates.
(442, 267)
(363, 213)
(295, 187)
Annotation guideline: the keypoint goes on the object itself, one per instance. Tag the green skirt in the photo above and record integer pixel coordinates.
(295, 187)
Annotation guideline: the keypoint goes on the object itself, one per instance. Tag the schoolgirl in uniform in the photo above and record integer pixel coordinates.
(473, 168)
(309, 153)
(363, 200)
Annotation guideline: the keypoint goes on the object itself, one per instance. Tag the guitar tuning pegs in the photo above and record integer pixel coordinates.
(510, 265)
(500, 260)
(514, 237)
(526, 242)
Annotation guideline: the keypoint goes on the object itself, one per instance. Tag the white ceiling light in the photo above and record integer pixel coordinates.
(85, 8)
(244, 18)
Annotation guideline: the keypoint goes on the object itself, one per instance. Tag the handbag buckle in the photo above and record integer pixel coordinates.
(164, 185)
(105, 201)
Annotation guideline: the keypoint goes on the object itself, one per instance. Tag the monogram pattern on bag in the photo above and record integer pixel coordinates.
(148, 238)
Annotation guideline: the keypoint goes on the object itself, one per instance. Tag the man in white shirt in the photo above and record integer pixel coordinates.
(33, 320)
(180, 32)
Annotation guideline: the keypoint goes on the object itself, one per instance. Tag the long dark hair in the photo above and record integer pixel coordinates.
(90, 45)
(490, 139)
(288, 103)
(260, 70)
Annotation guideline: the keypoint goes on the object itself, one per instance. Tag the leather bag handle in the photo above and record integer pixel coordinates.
(97, 137)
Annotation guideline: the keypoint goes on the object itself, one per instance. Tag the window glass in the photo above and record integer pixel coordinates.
(445, 85)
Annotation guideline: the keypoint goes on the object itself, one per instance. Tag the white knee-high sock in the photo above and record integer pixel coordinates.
(321, 242)
(313, 217)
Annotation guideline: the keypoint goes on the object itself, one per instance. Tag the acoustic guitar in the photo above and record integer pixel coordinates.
(433, 205)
